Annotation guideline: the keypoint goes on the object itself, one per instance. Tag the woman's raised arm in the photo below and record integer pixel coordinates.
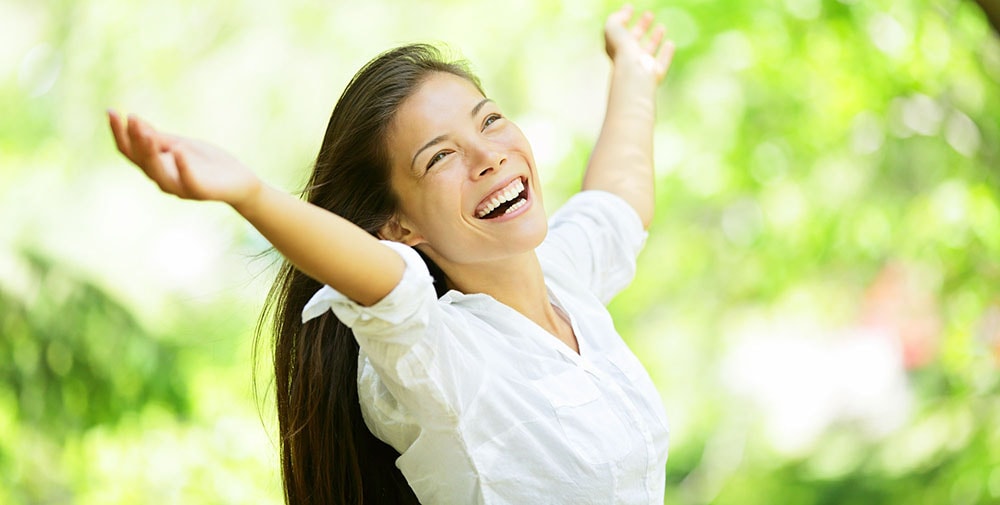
(622, 161)
(323, 245)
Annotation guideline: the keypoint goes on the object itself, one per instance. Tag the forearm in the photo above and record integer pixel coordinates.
(622, 160)
(323, 245)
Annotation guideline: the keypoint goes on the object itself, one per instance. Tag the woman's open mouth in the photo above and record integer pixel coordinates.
(506, 200)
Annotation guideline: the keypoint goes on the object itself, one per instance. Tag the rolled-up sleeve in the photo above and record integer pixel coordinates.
(405, 308)
(396, 332)
(597, 236)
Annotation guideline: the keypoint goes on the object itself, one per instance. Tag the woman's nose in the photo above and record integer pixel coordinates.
(490, 160)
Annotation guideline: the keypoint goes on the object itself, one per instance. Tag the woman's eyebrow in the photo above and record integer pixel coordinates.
(440, 138)
(433, 141)
(475, 110)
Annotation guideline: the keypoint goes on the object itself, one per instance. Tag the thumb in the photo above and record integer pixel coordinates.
(188, 182)
(620, 16)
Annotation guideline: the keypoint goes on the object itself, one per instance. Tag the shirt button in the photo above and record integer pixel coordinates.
(366, 316)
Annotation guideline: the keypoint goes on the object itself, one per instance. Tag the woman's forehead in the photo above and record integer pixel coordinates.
(441, 97)
(442, 103)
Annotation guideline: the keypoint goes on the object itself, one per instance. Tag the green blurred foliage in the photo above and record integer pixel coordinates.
(76, 351)
(77, 360)
(827, 179)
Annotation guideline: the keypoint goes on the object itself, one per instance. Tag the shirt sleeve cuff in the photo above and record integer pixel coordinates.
(628, 223)
(402, 302)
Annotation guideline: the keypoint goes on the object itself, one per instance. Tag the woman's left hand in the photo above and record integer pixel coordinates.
(643, 44)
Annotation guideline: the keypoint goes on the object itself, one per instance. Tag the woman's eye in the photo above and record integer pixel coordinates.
(492, 118)
(436, 158)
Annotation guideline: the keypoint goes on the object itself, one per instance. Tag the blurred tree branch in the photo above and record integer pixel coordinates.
(992, 10)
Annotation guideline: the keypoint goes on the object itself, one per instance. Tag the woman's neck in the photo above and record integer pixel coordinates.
(517, 282)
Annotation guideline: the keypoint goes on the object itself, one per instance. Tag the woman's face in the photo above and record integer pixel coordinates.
(465, 176)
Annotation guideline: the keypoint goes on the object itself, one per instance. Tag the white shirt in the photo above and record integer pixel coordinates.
(485, 406)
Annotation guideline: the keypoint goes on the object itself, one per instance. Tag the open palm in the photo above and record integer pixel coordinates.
(643, 42)
(185, 167)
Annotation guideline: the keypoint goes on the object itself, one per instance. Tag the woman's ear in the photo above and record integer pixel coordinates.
(398, 230)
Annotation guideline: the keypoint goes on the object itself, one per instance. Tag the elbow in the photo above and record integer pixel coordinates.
(646, 216)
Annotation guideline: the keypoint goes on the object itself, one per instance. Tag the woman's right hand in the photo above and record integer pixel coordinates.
(185, 167)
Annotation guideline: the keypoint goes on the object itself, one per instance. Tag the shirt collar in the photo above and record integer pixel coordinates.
(454, 297)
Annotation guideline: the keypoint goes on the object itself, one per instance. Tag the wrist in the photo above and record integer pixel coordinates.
(638, 66)
(629, 78)
(250, 200)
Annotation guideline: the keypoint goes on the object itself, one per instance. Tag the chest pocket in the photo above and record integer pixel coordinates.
(632, 369)
(592, 429)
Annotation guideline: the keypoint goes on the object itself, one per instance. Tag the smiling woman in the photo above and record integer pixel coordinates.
(476, 156)
(437, 340)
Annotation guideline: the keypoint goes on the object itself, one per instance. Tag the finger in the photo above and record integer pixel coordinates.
(642, 26)
(146, 153)
(665, 56)
(140, 142)
(624, 13)
(169, 181)
(654, 39)
(620, 17)
(186, 181)
(118, 130)
(159, 142)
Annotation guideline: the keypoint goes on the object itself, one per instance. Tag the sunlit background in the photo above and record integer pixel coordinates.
(818, 302)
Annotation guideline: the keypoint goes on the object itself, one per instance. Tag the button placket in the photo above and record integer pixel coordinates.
(647, 436)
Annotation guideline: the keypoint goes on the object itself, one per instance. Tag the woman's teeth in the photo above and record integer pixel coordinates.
(517, 205)
(503, 196)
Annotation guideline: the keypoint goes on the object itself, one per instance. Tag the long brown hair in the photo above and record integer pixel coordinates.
(328, 455)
